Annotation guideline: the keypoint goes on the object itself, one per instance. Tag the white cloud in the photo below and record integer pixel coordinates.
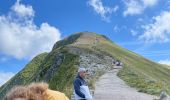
(149, 3)
(134, 33)
(166, 62)
(20, 37)
(116, 29)
(5, 76)
(23, 10)
(103, 11)
(159, 30)
(3, 59)
(116, 8)
(134, 7)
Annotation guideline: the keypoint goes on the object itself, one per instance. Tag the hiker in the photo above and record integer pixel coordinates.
(20, 93)
(34, 91)
(81, 90)
(42, 90)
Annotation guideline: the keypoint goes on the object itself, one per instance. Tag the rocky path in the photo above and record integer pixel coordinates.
(111, 87)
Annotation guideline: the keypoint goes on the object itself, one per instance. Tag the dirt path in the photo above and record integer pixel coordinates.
(111, 87)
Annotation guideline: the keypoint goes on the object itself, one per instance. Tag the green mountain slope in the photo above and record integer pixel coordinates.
(59, 67)
(25, 76)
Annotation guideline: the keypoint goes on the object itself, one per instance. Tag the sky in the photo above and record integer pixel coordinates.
(30, 27)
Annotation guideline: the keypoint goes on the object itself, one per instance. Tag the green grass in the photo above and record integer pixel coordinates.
(145, 75)
(63, 78)
(140, 81)
(138, 72)
(166, 66)
(31, 69)
(60, 81)
(25, 76)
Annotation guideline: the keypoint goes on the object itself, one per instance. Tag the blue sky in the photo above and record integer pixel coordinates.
(29, 27)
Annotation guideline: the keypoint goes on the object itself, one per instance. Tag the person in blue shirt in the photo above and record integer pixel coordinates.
(81, 90)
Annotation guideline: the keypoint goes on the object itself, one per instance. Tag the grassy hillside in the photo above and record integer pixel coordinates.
(63, 78)
(37, 70)
(59, 67)
(138, 72)
(147, 76)
(25, 76)
(166, 66)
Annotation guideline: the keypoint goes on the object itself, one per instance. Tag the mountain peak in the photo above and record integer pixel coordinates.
(99, 55)
(81, 38)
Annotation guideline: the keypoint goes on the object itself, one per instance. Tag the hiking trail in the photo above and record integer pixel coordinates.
(111, 87)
